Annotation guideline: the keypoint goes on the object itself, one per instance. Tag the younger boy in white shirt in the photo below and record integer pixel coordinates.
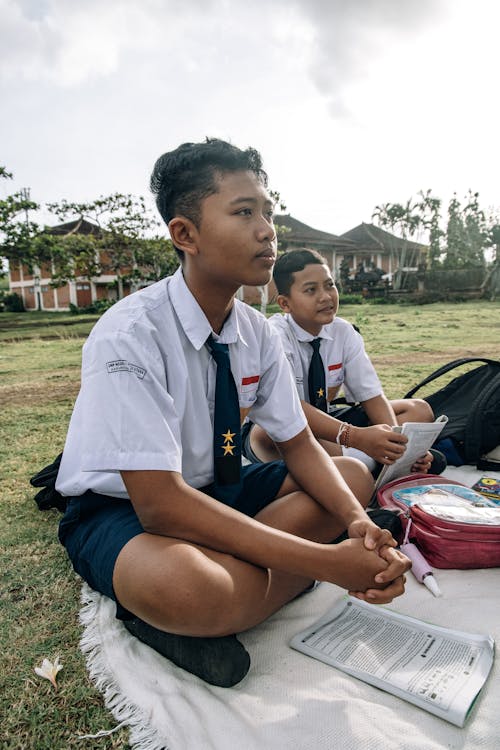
(309, 299)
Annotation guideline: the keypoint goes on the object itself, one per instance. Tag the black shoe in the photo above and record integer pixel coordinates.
(220, 661)
(439, 462)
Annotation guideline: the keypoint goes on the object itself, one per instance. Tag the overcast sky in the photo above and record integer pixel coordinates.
(352, 103)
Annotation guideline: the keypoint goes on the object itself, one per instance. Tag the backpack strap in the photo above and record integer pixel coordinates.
(446, 368)
(48, 497)
(473, 433)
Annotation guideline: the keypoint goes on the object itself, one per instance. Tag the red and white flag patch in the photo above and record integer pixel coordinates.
(249, 383)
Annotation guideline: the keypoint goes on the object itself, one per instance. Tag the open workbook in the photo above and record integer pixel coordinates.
(435, 668)
(421, 435)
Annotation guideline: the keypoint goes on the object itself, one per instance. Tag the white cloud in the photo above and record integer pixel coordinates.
(66, 43)
(351, 103)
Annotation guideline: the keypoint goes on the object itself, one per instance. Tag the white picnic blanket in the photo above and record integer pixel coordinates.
(289, 700)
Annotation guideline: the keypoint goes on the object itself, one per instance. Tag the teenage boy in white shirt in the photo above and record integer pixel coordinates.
(146, 523)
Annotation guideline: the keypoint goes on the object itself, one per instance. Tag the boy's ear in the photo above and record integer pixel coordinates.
(282, 301)
(184, 234)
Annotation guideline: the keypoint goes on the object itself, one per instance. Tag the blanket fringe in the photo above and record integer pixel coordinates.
(141, 735)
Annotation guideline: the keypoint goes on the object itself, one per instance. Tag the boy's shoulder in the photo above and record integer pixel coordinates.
(126, 314)
(340, 325)
(281, 323)
(251, 320)
(247, 312)
(278, 321)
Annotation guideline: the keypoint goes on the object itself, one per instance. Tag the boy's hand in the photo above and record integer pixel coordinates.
(390, 581)
(380, 442)
(373, 536)
(366, 574)
(423, 464)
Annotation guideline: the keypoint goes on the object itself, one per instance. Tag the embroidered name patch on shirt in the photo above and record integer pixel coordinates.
(121, 365)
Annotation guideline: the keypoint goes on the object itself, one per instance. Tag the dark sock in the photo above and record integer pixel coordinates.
(220, 661)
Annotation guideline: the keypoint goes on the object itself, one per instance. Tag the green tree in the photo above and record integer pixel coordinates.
(494, 240)
(476, 231)
(344, 272)
(156, 258)
(466, 234)
(122, 247)
(17, 231)
(73, 256)
(430, 212)
(404, 219)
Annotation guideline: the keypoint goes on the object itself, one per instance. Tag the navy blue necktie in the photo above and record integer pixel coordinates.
(316, 378)
(227, 421)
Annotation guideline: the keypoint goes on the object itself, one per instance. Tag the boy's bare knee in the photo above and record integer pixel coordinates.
(357, 476)
(179, 587)
(425, 408)
(412, 410)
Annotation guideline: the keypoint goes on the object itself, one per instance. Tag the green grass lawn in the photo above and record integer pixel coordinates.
(44, 325)
(39, 379)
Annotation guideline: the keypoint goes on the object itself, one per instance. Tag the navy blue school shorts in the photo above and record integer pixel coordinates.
(95, 528)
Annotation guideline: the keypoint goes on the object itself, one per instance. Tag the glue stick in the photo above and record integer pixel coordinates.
(421, 568)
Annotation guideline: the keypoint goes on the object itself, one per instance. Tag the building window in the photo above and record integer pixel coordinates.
(83, 287)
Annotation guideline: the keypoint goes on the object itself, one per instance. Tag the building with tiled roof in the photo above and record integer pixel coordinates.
(34, 285)
(391, 251)
(366, 245)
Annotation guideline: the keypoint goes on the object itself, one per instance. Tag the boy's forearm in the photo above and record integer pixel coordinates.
(380, 411)
(315, 472)
(168, 507)
(322, 425)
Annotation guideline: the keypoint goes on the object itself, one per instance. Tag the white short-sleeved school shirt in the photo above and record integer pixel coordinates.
(347, 365)
(148, 389)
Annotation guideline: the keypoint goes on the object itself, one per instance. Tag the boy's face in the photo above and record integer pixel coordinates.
(313, 300)
(235, 240)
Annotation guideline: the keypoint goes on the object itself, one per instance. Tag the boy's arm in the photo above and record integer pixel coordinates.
(378, 441)
(379, 410)
(167, 506)
(316, 473)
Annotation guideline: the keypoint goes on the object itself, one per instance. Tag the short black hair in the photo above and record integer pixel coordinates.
(291, 262)
(182, 178)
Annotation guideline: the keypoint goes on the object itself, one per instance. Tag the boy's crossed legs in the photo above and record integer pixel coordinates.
(185, 588)
(190, 590)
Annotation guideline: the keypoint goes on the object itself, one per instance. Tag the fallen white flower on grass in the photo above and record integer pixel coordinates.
(49, 671)
(103, 732)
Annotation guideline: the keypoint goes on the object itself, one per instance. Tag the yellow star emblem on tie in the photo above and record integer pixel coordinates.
(228, 449)
(228, 436)
(321, 393)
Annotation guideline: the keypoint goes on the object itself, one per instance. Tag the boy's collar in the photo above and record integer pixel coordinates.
(194, 321)
(302, 335)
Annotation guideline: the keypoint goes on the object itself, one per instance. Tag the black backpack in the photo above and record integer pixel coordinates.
(472, 404)
(48, 497)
